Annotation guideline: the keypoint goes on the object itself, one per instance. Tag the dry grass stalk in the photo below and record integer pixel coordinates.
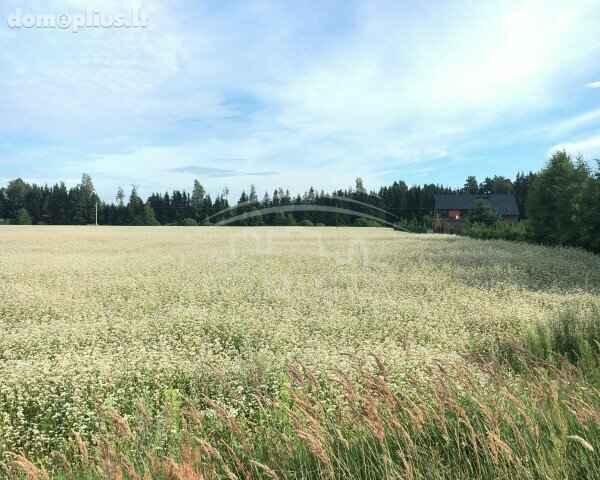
(121, 426)
(315, 447)
(31, 471)
(83, 451)
(581, 441)
(225, 417)
(270, 473)
(65, 464)
(408, 471)
(129, 468)
(183, 471)
(499, 447)
(191, 412)
(109, 460)
(230, 475)
(208, 450)
(143, 411)
(239, 465)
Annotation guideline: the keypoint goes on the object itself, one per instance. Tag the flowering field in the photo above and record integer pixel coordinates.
(97, 317)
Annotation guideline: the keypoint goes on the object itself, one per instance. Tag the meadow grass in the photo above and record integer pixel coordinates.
(295, 353)
(485, 419)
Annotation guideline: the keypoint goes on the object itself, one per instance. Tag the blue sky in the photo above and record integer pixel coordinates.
(297, 93)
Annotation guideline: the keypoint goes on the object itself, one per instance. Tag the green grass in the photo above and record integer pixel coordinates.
(532, 412)
(568, 337)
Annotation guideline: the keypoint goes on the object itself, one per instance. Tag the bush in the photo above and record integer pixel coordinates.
(432, 222)
(499, 230)
(320, 225)
(187, 222)
(414, 225)
(306, 223)
(23, 217)
(365, 222)
(136, 221)
(4, 221)
(482, 213)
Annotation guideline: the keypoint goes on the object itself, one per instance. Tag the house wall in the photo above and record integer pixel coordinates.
(451, 225)
(511, 219)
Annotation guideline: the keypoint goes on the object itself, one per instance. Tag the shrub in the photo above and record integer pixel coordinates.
(365, 222)
(499, 230)
(482, 213)
(188, 222)
(23, 218)
(319, 225)
(306, 223)
(415, 226)
(280, 219)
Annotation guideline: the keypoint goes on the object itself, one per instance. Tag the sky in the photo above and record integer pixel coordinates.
(297, 93)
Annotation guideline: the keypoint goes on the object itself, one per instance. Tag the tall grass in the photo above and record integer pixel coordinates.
(568, 336)
(536, 416)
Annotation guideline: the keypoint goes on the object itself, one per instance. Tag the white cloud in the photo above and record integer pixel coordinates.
(569, 125)
(593, 85)
(588, 147)
(401, 88)
(330, 93)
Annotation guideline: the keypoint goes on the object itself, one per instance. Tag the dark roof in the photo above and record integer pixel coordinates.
(503, 204)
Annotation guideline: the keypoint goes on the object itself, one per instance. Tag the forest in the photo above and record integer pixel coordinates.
(559, 205)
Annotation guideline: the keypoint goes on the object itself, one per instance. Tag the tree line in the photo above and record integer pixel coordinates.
(560, 204)
(24, 203)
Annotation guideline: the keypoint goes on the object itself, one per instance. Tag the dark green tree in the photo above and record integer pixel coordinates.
(498, 184)
(589, 218)
(2, 203)
(22, 217)
(135, 208)
(280, 219)
(83, 199)
(521, 187)
(197, 201)
(291, 221)
(554, 204)
(120, 197)
(471, 186)
(482, 213)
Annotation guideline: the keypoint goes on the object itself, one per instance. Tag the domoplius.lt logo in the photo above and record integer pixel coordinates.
(92, 18)
(63, 21)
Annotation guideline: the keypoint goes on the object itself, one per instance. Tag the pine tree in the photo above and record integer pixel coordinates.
(83, 199)
(482, 213)
(555, 200)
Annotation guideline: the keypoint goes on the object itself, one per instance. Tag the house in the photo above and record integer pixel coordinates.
(454, 209)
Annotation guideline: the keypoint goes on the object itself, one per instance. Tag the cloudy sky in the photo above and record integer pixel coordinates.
(296, 93)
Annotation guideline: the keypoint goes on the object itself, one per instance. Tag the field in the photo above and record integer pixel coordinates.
(102, 323)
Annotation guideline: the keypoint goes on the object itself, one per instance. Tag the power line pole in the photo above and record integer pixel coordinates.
(96, 212)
